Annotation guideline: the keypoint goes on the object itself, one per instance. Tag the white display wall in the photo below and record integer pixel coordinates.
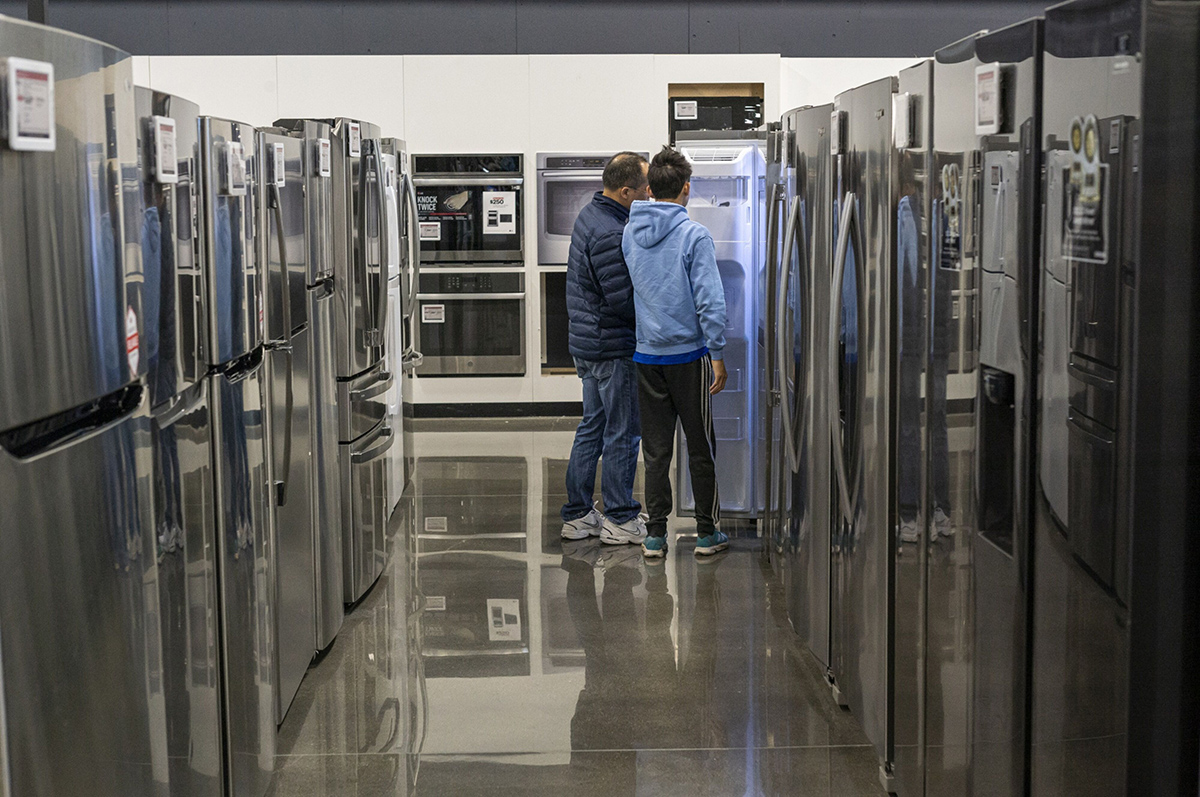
(498, 103)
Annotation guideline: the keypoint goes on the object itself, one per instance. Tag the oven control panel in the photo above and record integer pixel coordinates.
(473, 282)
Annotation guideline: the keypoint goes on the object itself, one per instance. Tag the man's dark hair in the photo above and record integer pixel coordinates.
(669, 171)
(624, 171)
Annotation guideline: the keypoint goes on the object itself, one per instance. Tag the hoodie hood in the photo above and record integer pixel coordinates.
(651, 222)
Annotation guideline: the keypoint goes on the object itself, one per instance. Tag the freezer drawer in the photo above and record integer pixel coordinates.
(82, 699)
(364, 466)
(187, 564)
(363, 402)
(246, 570)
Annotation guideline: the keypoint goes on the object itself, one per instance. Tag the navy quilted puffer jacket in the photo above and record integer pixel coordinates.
(599, 294)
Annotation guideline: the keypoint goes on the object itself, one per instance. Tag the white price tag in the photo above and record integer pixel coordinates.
(835, 133)
(435, 603)
(30, 105)
(504, 620)
(987, 99)
(354, 139)
(324, 157)
(235, 168)
(279, 167)
(166, 163)
(437, 525)
(433, 314)
(902, 127)
(687, 110)
(431, 231)
(499, 212)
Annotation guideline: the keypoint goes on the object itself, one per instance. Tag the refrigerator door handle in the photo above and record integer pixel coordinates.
(367, 297)
(849, 217)
(377, 388)
(381, 445)
(286, 301)
(786, 435)
(999, 219)
(414, 245)
(384, 243)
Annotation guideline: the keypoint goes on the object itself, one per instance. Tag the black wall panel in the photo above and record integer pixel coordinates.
(817, 28)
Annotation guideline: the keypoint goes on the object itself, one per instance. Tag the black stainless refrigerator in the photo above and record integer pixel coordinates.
(1092, 103)
(860, 413)
(360, 256)
(173, 304)
(240, 421)
(283, 251)
(81, 681)
(315, 163)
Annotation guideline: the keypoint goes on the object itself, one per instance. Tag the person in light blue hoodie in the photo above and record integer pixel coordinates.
(679, 304)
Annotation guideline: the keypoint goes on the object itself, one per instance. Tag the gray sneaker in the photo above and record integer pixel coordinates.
(584, 527)
(631, 532)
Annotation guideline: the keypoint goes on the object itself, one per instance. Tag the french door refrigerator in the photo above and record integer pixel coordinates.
(241, 466)
(284, 163)
(1092, 106)
(185, 500)
(861, 341)
(360, 255)
(403, 274)
(801, 463)
(319, 387)
(81, 680)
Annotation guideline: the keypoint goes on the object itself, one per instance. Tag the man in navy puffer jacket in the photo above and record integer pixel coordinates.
(602, 340)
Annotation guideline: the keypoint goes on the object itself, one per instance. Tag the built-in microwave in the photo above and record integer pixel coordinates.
(470, 208)
(567, 181)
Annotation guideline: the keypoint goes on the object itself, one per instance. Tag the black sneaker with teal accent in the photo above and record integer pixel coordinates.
(711, 543)
(654, 547)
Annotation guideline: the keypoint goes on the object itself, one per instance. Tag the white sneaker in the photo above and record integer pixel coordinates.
(942, 525)
(632, 531)
(586, 526)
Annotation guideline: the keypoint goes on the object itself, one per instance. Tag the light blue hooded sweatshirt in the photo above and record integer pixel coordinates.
(677, 290)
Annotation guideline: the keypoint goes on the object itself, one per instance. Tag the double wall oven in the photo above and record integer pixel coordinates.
(470, 314)
(567, 181)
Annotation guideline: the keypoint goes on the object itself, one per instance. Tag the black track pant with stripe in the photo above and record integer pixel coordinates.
(667, 393)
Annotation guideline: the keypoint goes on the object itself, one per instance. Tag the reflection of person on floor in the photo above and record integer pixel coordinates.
(613, 716)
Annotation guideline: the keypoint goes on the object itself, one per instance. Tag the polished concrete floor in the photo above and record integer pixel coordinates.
(493, 658)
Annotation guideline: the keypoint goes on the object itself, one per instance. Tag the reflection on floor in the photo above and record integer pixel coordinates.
(493, 658)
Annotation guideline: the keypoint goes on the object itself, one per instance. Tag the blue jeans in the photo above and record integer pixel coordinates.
(610, 427)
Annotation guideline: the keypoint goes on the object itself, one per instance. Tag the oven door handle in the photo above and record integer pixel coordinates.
(469, 180)
(571, 177)
(463, 297)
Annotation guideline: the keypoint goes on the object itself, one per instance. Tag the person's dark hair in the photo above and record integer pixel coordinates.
(669, 171)
(624, 171)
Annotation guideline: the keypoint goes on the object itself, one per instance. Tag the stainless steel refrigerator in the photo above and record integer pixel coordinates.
(403, 273)
(799, 343)
(176, 324)
(82, 707)
(861, 341)
(234, 354)
(1009, 204)
(283, 250)
(320, 388)
(360, 256)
